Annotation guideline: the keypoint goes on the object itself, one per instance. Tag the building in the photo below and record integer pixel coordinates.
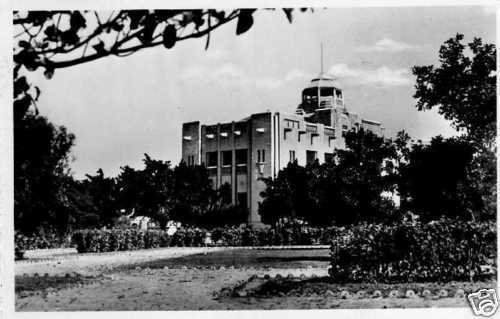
(241, 152)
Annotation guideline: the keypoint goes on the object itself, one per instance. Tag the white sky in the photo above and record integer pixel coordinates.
(121, 108)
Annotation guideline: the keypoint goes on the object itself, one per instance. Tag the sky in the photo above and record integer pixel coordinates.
(121, 108)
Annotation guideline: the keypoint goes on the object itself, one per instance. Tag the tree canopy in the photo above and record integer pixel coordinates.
(41, 159)
(345, 190)
(462, 87)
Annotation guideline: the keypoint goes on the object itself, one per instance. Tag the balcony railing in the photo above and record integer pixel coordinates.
(329, 131)
(313, 129)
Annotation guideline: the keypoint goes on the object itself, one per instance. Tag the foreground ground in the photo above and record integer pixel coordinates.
(208, 278)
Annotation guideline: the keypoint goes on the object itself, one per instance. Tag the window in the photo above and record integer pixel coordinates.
(261, 156)
(292, 124)
(330, 132)
(211, 159)
(292, 156)
(311, 156)
(328, 157)
(227, 158)
(344, 130)
(241, 157)
(190, 160)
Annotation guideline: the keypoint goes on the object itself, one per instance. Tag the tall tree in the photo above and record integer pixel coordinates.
(147, 192)
(288, 195)
(41, 158)
(435, 179)
(343, 191)
(102, 192)
(365, 171)
(462, 87)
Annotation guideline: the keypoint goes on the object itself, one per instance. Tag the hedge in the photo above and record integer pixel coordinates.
(43, 240)
(94, 240)
(410, 252)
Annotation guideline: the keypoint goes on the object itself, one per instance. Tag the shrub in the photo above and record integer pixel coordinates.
(43, 240)
(407, 252)
(93, 240)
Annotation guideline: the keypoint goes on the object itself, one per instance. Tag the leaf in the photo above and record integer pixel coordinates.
(149, 29)
(22, 105)
(70, 37)
(245, 21)
(117, 27)
(187, 18)
(99, 47)
(219, 15)
(52, 33)
(77, 21)
(24, 44)
(169, 36)
(20, 86)
(288, 12)
(136, 17)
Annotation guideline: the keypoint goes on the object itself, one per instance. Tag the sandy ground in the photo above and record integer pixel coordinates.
(62, 261)
(119, 288)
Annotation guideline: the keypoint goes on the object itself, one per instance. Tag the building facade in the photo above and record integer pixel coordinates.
(240, 153)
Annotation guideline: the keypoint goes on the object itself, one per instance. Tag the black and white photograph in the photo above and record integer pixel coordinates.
(224, 157)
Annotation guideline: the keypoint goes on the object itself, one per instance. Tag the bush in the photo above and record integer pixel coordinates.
(407, 252)
(44, 240)
(92, 240)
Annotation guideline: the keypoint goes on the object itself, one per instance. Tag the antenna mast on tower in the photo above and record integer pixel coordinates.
(321, 58)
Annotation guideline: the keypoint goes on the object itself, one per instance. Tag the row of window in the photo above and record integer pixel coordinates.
(241, 157)
(311, 137)
(311, 156)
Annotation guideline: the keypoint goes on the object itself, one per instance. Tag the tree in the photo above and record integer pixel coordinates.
(365, 170)
(146, 192)
(435, 180)
(41, 158)
(102, 192)
(343, 191)
(463, 88)
(51, 40)
(197, 202)
(287, 195)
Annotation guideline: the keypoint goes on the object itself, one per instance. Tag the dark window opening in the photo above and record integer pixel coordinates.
(211, 159)
(344, 130)
(261, 156)
(329, 157)
(227, 158)
(311, 156)
(241, 157)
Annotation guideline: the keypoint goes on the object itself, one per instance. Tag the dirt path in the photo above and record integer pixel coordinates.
(68, 261)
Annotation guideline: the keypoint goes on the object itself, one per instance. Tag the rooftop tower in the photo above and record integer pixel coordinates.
(320, 93)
